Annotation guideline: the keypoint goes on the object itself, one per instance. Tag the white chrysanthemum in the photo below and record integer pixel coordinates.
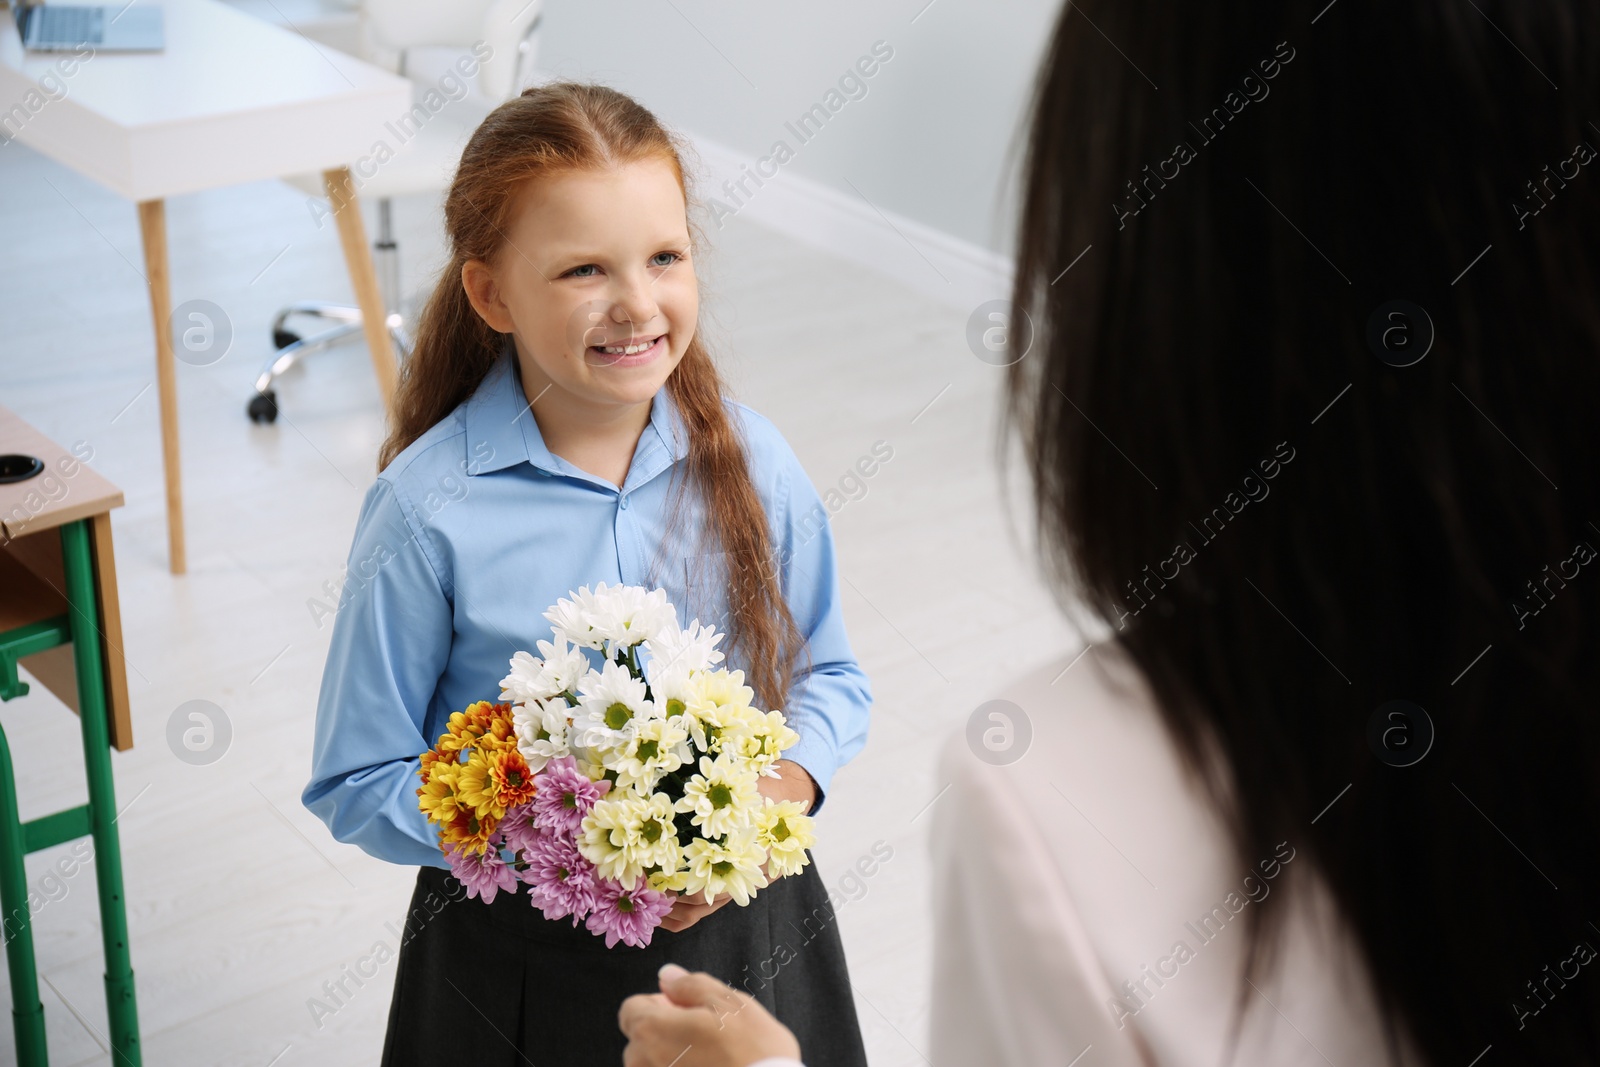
(523, 683)
(613, 618)
(691, 649)
(610, 703)
(559, 671)
(625, 834)
(658, 747)
(732, 867)
(673, 688)
(723, 796)
(575, 619)
(565, 665)
(541, 728)
(785, 831)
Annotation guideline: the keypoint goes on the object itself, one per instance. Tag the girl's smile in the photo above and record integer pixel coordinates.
(633, 352)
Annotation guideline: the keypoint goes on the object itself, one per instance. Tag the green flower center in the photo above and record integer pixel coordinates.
(780, 831)
(720, 795)
(617, 716)
(651, 831)
(569, 800)
(625, 905)
(675, 706)
(648, 750)
(722, 868)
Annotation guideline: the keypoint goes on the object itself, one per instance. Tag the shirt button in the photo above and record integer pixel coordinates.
(624, 502)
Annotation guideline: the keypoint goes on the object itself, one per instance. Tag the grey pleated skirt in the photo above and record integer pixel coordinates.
(499, 985)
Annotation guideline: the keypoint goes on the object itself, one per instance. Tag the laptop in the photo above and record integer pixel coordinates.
(126, 27)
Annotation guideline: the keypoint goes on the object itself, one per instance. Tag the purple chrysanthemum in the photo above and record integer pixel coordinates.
(560, 881)
(520, 827)
(564, 796)
(483, 873)
(627, 915)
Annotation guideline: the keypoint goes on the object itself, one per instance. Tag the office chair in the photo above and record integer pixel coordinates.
(426, 144)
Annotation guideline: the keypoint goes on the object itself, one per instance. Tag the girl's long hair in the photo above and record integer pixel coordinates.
(557, 128)
(1286, 528)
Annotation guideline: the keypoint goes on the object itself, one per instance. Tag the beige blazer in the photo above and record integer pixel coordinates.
(1088, 911)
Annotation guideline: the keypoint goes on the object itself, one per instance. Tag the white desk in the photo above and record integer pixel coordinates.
(232, 99)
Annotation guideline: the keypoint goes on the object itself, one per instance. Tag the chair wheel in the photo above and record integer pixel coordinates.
(263, 407)
(284, 338)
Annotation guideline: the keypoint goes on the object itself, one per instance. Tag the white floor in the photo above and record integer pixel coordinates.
(240, 903)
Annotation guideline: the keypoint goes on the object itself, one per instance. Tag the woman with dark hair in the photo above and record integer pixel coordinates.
(1309, 416)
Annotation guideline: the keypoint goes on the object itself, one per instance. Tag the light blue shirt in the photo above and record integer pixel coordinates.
(474, 531)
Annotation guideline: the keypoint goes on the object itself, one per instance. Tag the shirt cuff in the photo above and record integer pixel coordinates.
(816, 757)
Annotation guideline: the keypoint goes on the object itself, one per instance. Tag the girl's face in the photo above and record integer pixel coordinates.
(595, 267)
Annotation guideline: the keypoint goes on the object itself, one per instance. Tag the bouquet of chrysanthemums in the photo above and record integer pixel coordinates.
(609, 791)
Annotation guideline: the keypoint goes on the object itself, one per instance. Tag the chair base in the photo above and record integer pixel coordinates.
(292, 347)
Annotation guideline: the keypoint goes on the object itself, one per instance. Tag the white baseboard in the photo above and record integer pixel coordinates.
(947, 268)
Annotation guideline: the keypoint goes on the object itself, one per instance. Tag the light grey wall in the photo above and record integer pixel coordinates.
(935, 138)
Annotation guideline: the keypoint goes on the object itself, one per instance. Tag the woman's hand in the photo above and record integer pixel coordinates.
(697, 1021)
(793, 783)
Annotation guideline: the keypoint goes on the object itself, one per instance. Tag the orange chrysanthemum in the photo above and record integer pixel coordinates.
(469, 830)
(513, 781)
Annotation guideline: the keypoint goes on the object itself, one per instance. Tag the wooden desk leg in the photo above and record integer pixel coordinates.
(363, 278)
(153, 233)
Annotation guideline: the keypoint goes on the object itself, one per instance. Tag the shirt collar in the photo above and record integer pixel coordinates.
(497, 413)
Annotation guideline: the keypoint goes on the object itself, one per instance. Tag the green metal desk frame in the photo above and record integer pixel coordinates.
(97, 818)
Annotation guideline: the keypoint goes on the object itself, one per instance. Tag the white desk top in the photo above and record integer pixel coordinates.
(232, 99)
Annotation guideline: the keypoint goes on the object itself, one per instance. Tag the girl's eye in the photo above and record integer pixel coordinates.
(585, 269)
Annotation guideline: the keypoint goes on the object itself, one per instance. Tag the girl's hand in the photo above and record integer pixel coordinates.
(793, 783)
(696, 1021)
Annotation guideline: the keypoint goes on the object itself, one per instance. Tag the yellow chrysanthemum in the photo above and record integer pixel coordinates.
(438, 798)
(501, 735)
(603, 834)
(732, 867)
(759, 738)
(476, 785)
(658, 747)
(667, 881)
(723, 796)
(723, 688)
(482, 724)
(709, 722)
(785, 831)
(432, 758)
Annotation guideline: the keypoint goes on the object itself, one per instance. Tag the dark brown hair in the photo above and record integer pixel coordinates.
(1286, 527)
(557, 128)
